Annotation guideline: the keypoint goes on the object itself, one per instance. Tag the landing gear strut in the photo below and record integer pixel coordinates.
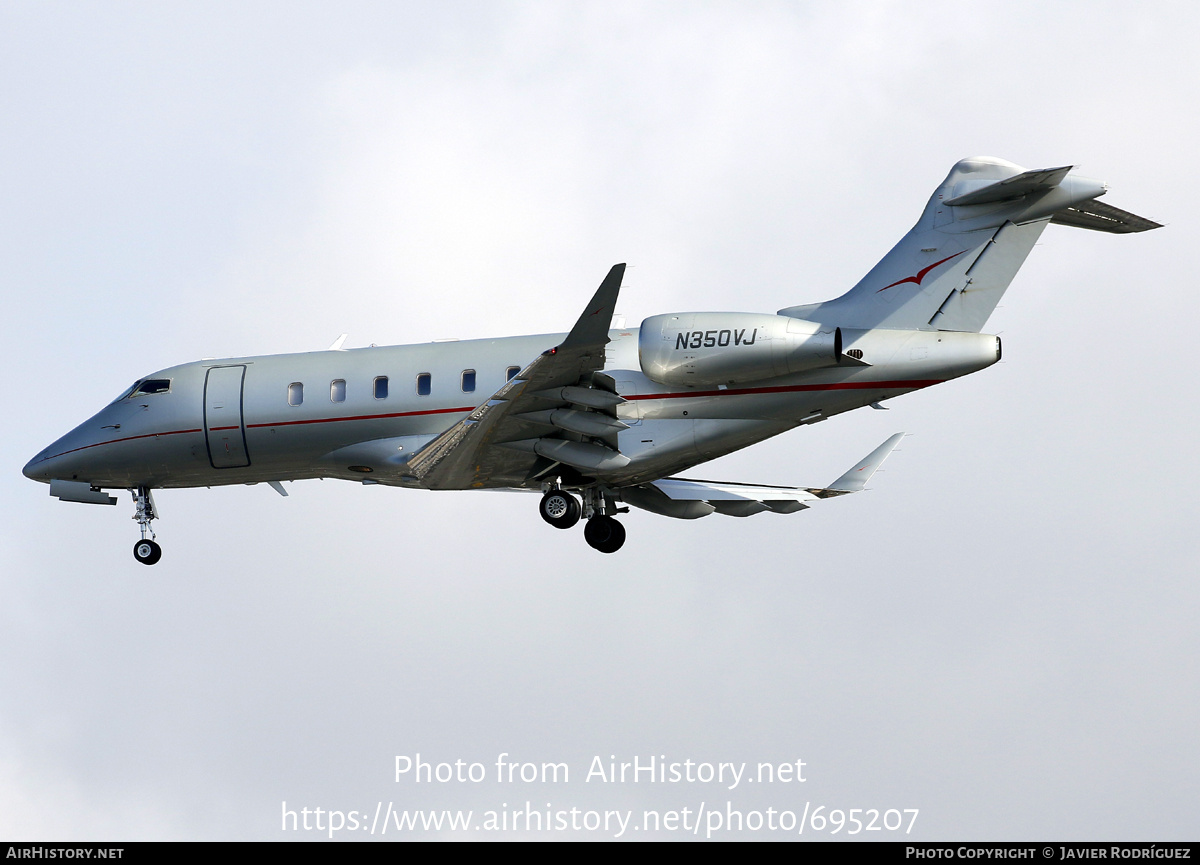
(146, 551)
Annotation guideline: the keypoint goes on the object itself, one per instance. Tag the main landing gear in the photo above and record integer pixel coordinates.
(562, 510)
(146, 551)
(603, 533)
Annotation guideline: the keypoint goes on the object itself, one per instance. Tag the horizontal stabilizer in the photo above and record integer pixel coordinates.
(1097, 216)
(1014, 187)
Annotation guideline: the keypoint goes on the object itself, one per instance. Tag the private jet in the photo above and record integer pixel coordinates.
(603, 417)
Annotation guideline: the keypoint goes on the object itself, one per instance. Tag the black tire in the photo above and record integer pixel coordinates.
(560, 509)
(147, 552)
(605, 534)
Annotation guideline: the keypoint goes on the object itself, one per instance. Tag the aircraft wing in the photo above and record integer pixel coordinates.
(731, 499)
(535, 420)
(685, 498)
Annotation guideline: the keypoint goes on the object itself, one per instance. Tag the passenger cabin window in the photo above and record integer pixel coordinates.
(468, 381)
(510, 372)
(381, 387)
(295, 393)
(424, 384)
(337, 390)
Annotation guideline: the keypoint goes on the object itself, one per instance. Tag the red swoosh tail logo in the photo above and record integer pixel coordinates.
(920, 273)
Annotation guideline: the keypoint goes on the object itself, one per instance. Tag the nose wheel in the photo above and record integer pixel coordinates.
(146, 551)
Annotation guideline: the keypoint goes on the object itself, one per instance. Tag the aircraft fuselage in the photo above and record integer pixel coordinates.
(284, 417)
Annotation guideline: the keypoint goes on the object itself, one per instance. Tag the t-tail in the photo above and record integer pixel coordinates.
(952, 268)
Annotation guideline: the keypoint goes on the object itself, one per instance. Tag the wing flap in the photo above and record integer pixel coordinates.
(689, 499)
(683, 489)
(686, 498)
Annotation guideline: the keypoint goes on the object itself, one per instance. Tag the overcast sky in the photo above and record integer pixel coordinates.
(1000, 634)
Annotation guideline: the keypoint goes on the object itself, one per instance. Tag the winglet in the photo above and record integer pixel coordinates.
(592, 327)
(855, 479)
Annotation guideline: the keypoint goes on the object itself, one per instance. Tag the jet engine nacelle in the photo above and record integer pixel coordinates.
(711, 348)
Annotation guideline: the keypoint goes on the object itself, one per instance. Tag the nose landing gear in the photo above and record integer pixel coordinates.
(146, 551)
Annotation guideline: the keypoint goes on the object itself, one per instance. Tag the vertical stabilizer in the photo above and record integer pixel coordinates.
(952, 268)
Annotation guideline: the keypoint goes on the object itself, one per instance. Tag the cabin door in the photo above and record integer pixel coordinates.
(224, 426)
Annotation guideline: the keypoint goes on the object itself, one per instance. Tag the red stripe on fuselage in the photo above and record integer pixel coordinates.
(914, 384)
(257, 425)
(362, 417)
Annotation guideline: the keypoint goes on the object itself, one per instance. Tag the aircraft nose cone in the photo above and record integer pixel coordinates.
(37, 469)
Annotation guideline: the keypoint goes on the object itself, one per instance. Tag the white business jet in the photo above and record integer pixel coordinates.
(601, 416)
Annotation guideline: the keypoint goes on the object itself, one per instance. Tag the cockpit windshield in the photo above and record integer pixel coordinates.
(146, 386)
(128, 392)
